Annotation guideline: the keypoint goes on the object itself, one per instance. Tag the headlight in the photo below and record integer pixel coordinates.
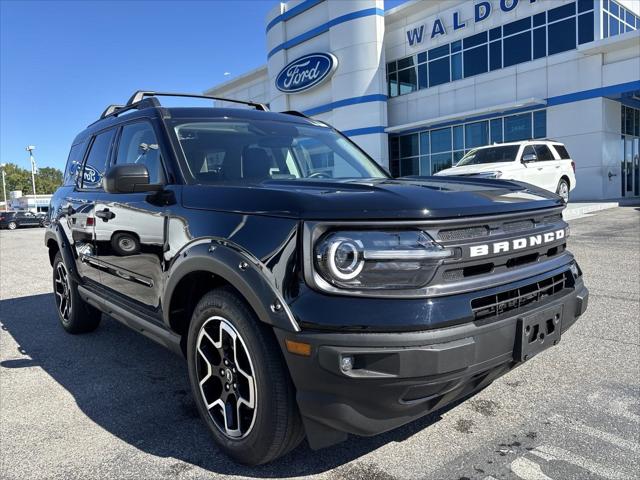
(377, 260)
(496, 174)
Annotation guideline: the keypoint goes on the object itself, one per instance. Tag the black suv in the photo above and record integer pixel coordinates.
(311, 293)
(13, 220)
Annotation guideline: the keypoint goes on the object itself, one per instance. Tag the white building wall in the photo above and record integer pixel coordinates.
(589, 127)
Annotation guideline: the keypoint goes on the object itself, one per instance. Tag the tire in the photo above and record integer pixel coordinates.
(563, 189)
(12, 225)
(125, 243)
(251, 436)
(75, 315)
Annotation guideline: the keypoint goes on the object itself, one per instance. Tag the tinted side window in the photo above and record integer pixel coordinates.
(562, 151)
(528, 150)
(138, 144)
(73, 163)
(96, 163)
(544, 153)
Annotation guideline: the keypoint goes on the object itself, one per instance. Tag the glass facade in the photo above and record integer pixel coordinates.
(630, 142)
(428, 151)
(617, 20)
(547, 33)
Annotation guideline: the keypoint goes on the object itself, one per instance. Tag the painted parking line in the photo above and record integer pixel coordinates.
(551, 453)
(596, 433)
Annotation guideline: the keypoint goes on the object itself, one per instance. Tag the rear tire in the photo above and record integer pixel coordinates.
(75, 315)
(240, 381)
(12, 225)
(563, 189)
(125, 244)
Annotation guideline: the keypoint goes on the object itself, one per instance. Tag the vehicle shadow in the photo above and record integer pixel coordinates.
(139, 392)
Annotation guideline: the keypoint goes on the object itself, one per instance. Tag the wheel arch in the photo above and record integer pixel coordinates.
(566, 179)
(206, 266)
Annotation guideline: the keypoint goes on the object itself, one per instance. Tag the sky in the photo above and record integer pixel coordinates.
(63, 62)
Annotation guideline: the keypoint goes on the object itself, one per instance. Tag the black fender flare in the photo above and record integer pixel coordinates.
(243, 271)
(55, 233)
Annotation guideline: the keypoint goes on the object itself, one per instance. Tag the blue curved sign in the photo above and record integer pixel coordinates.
(306, 72)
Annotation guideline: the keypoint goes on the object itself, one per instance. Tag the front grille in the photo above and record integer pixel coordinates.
(463, 233)
(517, 226)
(503, 302)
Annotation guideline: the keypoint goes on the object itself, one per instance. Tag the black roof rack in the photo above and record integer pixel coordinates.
(141, 94)
(139, 101)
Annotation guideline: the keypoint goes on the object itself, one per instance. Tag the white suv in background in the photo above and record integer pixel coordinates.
(542, 163)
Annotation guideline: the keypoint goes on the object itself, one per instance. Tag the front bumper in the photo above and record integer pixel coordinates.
(399, 377)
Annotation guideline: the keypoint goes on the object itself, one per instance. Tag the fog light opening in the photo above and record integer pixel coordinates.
(346, 363)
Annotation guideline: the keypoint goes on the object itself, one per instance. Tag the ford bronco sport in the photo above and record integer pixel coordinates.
(310, 292)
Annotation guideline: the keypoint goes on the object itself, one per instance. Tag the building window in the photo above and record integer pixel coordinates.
(429, 151)
(557, 30)
(617, 19)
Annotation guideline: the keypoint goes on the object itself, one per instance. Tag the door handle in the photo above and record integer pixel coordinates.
(105, 214)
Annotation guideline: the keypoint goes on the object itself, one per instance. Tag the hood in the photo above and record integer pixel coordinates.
(371, 199)
(471, 169)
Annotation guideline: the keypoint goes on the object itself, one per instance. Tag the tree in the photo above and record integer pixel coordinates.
(48, 179)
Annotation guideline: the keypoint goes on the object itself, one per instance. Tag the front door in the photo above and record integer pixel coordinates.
(630, 166)
(77, 209)
(534, 172)
(27, 219)
(130, 227)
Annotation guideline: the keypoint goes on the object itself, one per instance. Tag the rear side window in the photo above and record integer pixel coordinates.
(562, 151)
(74, 162)
(97, 159)
(544, 153)
(138, 144)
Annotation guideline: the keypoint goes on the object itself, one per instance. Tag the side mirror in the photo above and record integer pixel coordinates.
(530, 157)
(129, 178)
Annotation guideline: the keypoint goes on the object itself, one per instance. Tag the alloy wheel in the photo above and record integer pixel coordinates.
(12, 226)
(226, 377)
(563, 191)
(62, 291)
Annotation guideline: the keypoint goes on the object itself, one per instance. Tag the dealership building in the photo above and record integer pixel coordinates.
(418, 85)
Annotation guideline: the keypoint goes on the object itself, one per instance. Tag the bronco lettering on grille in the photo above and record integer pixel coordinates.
(515, 244)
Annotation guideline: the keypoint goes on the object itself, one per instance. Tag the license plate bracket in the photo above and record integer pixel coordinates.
(537, 332)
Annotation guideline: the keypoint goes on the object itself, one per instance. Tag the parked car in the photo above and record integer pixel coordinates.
(13, 220)
(545, 164)
(310, 293)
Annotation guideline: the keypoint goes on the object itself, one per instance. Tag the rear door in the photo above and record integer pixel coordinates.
(130, 228)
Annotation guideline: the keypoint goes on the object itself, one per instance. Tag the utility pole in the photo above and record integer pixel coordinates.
(4, 187)
(30, 149)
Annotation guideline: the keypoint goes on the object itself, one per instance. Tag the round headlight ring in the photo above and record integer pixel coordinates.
(354, 268)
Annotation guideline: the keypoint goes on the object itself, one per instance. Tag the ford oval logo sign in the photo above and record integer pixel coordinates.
(306, 72)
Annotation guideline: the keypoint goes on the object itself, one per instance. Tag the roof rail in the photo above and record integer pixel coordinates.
(141, 94)
(111, 109)
(115, 110)
(295, 113)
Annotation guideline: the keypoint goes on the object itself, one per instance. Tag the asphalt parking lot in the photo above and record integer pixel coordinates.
(112, 404)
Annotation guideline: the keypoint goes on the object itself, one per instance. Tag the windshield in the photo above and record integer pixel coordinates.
(506, 153)
(250, 151)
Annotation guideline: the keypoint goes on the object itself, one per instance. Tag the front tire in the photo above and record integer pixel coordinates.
(75, 315)
(240, 381)
(563, 190)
